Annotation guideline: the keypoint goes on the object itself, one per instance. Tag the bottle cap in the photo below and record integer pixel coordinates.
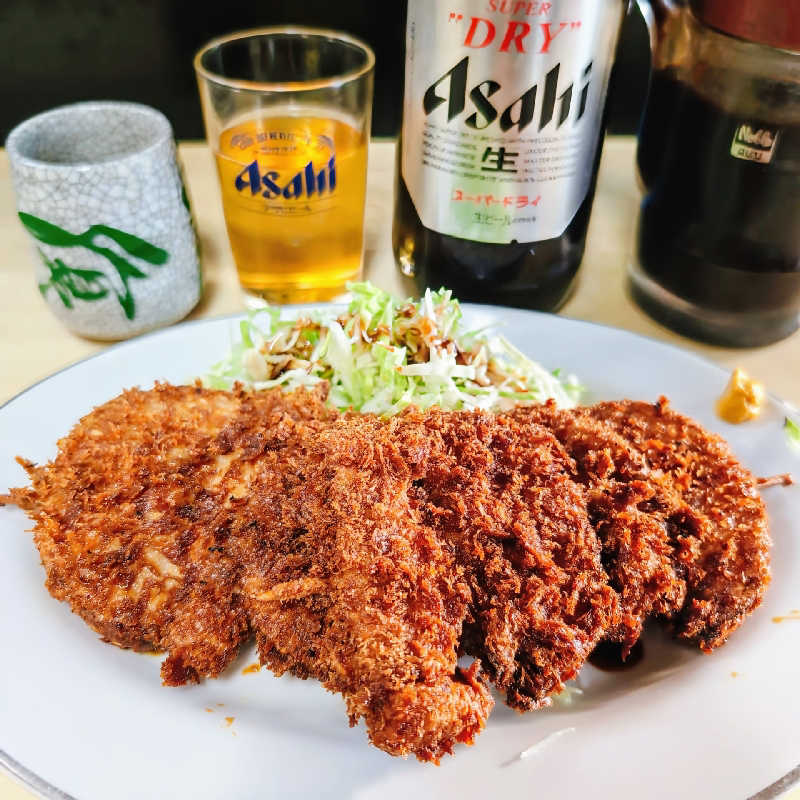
(772, 22)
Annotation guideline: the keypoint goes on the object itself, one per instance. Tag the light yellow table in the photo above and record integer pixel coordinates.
(33, 343)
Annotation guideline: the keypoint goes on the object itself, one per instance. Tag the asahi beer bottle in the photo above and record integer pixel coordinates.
(502, 122)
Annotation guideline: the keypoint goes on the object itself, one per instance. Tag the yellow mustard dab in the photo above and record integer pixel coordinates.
(742, 399)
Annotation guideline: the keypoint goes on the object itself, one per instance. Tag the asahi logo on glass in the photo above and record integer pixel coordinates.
(502, 146)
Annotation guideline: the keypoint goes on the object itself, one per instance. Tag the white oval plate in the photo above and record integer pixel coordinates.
(95, 722)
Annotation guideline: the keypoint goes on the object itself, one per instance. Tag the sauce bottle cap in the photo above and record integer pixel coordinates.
(772, 22)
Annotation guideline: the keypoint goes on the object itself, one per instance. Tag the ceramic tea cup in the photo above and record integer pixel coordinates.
(100, 192)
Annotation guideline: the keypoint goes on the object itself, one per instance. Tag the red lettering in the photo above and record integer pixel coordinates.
(514, 8)
(488, 37)
(548, 36)
(513, 36)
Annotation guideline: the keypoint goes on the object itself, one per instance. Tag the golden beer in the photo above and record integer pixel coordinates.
(293, 195)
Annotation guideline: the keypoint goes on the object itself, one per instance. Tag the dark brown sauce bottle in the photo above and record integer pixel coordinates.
(718, 234)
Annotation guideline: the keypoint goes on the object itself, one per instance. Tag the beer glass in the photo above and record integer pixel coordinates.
(287, 114)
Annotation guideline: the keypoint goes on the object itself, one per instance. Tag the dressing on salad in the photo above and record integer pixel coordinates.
(381, 355)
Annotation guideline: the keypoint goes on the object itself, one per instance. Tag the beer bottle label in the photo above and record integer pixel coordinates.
(503, 113)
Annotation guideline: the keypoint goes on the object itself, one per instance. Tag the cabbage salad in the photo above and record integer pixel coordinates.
(381, 355)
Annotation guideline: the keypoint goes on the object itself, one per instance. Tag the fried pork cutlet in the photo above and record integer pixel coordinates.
(371, 553)
(502, 495)
(345, 583)
(406, 541)
(683, 529)
(630, 513)
(127, 516)
(726, 557)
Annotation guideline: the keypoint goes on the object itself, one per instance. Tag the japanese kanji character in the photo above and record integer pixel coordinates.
(498, 159)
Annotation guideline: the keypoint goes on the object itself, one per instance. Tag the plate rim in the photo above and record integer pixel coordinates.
(30, 780)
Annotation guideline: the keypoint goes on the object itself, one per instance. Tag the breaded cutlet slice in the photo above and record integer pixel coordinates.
(344, 583)
(502, 495)
(130, 515)
(683, 528)
(724, 542)
(632, 512)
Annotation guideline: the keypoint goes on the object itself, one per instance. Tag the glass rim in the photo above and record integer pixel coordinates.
(285, 86)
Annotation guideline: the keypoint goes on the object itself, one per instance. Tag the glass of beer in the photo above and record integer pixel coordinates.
(287, 114)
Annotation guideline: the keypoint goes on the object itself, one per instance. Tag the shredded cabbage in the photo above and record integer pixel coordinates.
(792, 432)
(568, 696)
(382, 355)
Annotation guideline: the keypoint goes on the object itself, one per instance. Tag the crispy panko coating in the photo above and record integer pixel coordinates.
(372, 553)
(723, 542)
(629, 512)
(345, 583)
(683, 528)
(127, 516)
(501, 495)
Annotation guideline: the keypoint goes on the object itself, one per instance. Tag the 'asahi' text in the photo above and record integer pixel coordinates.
(305, 183)
(555, 104)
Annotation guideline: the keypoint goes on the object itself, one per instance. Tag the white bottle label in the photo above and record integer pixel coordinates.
(502, 113)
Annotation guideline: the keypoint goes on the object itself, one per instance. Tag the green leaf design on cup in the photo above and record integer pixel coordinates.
(82, 284)
(87, 284)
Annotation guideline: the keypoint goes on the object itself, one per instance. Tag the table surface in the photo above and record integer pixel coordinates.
(33, 343)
